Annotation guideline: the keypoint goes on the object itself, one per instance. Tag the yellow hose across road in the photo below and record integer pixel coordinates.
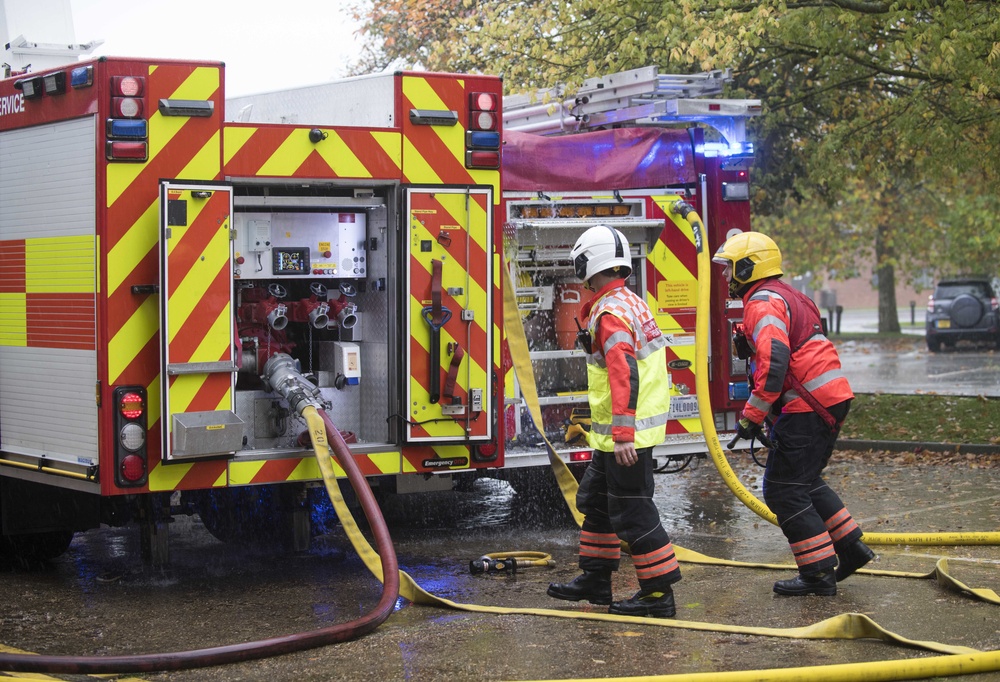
(712, 437)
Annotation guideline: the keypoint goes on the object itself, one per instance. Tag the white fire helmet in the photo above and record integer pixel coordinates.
(598, 249)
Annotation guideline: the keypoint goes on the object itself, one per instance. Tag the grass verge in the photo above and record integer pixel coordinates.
(923, 419)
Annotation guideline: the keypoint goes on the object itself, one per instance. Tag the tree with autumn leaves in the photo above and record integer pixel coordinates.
(880, 134)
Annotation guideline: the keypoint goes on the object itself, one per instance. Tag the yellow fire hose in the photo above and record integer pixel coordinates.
(708, 422)
(844, 626)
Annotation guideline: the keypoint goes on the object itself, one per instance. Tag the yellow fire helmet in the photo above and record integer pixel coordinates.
(753, 255)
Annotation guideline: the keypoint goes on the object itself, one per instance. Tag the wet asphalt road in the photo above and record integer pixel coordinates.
(98, 598)
(908, 368)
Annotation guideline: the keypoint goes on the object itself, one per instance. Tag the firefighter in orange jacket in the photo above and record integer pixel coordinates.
(629, 395)
(795, 377)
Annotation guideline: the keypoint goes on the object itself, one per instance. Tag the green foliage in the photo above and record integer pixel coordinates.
(880, 136)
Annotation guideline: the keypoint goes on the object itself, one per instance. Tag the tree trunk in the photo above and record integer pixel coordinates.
(885, 256)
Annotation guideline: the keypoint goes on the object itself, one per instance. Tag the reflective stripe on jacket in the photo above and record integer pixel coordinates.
(783, 327)
(627, 379)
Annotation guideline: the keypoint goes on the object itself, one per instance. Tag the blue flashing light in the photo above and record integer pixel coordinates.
(127, 128)
(713, 149)
(82, 77)
(483, 140)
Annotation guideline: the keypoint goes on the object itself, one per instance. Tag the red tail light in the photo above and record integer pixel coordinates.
(580, 456)
(130, 436)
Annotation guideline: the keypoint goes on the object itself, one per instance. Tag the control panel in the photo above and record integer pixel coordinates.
(328, 245)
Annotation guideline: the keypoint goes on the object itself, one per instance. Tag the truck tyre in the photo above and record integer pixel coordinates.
(32, 550)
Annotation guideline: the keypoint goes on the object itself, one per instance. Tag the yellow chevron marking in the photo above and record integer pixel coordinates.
(235, 138)
(153, 399)
(288, 156)
(134, 245)
(183, 389)
(390, 144)
(200, 85)
(307, 469)
(216, 343)
(167, 477)
(241, 473)
(204, 164)
(220, 482)
(387, 462)
(13, 320)
(417, 168)
(408, 468)
(190, 291)
(419, 91)
(60, 265)
(341, 159)
(132, 337)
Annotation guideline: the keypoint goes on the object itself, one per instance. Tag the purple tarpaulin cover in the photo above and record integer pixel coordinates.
(644, 157)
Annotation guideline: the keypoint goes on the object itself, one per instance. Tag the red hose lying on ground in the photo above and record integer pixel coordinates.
(234, 653)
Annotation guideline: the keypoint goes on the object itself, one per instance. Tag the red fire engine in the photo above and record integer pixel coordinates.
(159, 247)
(605, 155)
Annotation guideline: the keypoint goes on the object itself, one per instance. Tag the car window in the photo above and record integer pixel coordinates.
(956, 290)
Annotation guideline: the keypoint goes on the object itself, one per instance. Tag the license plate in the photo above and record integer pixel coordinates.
(943, 324)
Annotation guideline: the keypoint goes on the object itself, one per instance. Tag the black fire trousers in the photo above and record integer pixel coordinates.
(618, 501)
(811, 515)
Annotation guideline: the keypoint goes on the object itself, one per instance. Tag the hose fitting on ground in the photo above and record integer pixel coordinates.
(281, 374)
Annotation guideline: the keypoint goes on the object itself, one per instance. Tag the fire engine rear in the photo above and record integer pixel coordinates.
(166, 255)
(619, 151)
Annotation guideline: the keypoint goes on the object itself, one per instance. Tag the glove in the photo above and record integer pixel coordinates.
(747, 430)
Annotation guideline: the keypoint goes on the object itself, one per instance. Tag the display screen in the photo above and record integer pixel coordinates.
(291, 261)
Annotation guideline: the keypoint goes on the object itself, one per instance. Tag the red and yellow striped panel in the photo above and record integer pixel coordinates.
(438, 224)
(284, 152)
(198, 299)
(672, 295)
(179, 147)
(307, 469)
(435, 155)
(48, 292)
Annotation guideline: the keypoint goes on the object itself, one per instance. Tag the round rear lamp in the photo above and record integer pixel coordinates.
(131, 406)
(132, 437)
(133, 468)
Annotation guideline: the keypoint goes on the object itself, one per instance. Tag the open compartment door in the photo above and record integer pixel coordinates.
(449, 277)
(196, 322)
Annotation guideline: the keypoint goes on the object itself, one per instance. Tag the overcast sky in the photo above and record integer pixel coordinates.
(266, 45)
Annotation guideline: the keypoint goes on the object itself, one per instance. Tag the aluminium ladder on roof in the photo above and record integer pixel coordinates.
(636, 97)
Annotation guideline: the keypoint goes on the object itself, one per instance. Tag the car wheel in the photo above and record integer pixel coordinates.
(933, 345)
(966, 311)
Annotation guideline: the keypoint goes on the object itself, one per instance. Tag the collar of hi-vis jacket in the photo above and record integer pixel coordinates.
(605, 290)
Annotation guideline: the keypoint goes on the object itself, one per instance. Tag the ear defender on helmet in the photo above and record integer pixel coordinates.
(598, 249)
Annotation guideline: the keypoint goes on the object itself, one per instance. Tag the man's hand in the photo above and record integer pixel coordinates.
(746, 430)
(625, 454)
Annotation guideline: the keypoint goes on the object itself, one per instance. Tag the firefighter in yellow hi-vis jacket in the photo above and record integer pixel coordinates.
(628, 391)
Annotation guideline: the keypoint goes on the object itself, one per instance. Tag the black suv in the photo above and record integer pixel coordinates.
(963, 309)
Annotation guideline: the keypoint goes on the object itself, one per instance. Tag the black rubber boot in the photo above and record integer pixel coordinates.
(823, 583)
(852, 558)
(651, 604)
(594, 586)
